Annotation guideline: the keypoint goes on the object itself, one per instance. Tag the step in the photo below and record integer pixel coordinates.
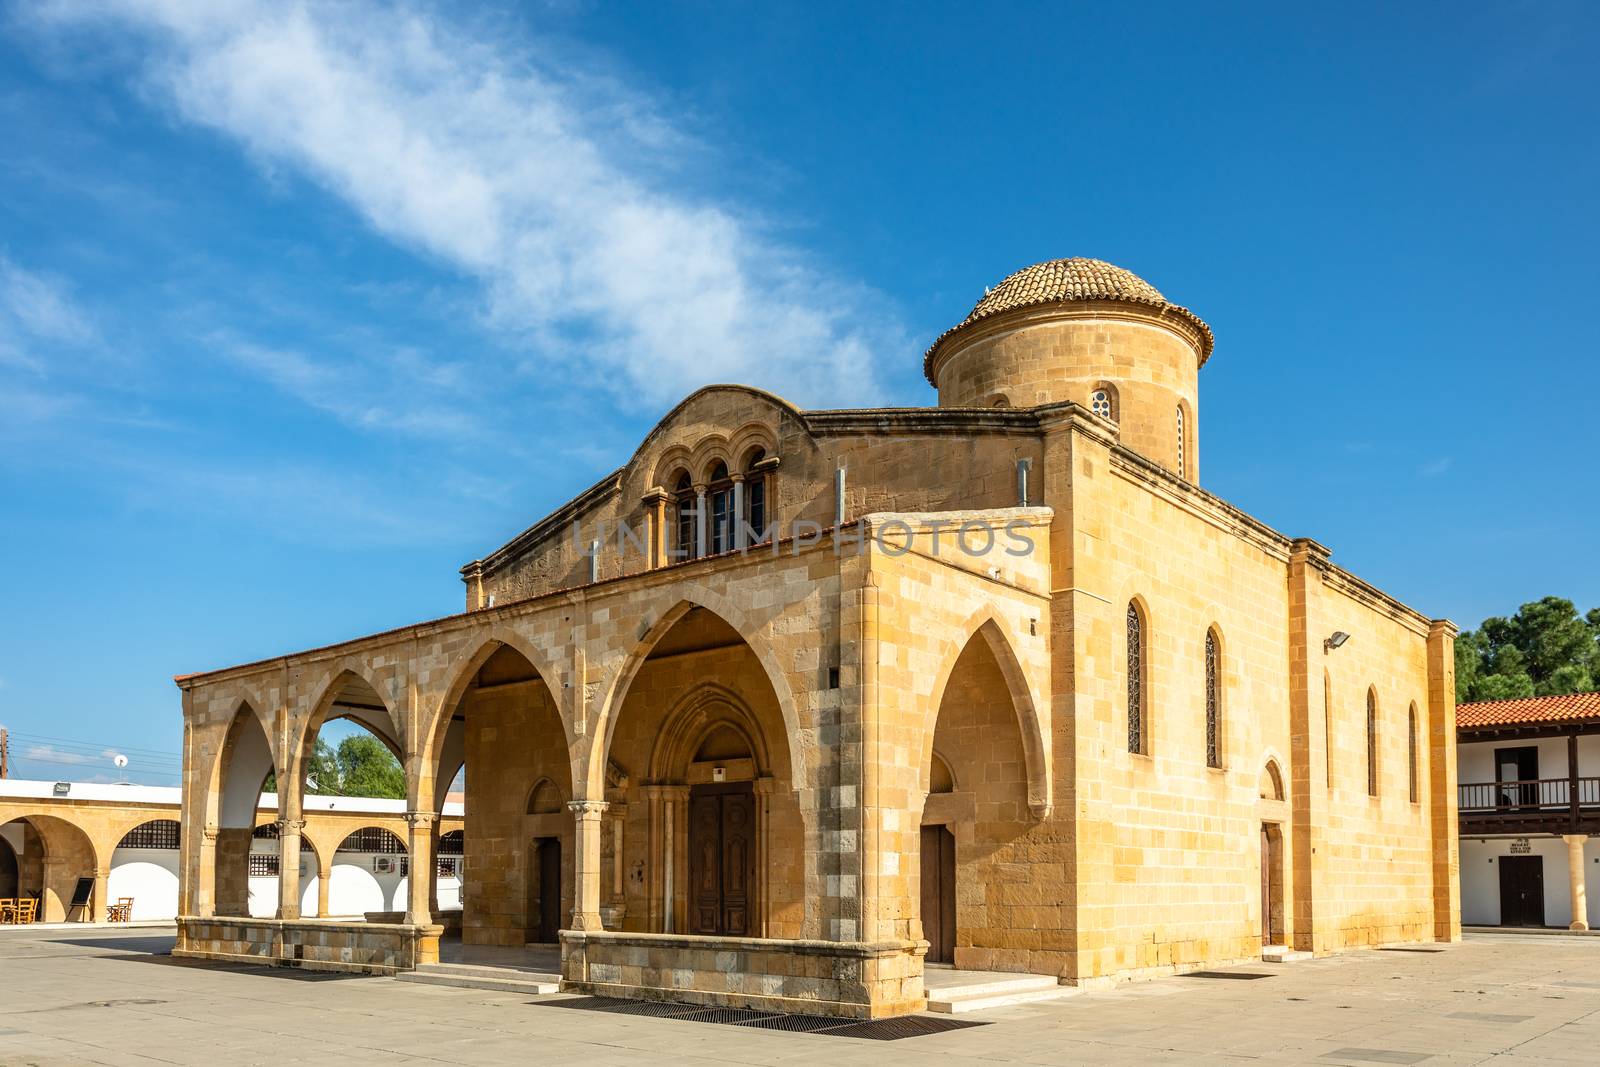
(982, 984)
(470, 976)
(1282, 954)
(956, 1005)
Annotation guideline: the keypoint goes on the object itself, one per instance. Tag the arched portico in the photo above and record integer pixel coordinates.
(978, 807)
(706, 834)
(55, 855)
(501, 722)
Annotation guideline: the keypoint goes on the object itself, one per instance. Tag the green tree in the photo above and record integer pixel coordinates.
(368, 769)
(360, 767)
(1545, 649)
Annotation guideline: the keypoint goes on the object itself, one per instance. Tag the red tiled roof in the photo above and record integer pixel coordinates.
(1529, 710)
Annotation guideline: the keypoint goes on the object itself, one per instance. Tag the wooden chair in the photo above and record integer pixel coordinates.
(27, 910)
(121, 911)
(8, 910)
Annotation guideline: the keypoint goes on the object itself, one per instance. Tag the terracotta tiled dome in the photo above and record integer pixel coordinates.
(1066, 281)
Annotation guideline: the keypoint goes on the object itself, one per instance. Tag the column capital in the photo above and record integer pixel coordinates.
(420, 820)
(290, 826)
(587, 809)
(210, 832)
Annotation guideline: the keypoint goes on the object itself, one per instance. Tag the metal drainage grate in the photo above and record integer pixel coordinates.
(876, 1030)
(805, 1024)
(902, 1027)
(1241, 975)
(621, 1006)
(736, 1016)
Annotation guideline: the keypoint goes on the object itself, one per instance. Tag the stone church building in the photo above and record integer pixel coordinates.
(796, 703)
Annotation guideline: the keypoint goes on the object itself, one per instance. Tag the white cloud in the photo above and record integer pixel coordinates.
(1434, 468)
(51, 754)
(548, 187)
(36, 314)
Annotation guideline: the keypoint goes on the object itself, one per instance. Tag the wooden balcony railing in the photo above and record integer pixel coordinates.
(1552, 801)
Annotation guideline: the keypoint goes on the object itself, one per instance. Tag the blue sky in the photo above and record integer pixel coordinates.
(302, 307)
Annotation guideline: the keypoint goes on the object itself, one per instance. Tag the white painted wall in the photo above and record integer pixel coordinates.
(149, 876)
(1480, 879)
(1475, 760)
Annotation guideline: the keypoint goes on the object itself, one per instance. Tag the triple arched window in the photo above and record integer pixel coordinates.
(707, 517)
(1103, 401)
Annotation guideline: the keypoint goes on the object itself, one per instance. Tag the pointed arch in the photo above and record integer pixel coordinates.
(701, 711)
(438, 749)
(615, 689)
(1271, 780)
(350, 693)
(244, 761)
(987, 621)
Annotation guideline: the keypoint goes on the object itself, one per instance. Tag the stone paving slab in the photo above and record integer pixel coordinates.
(110, 997)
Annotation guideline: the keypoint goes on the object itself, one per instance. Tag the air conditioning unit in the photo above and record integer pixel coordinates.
(383, 864)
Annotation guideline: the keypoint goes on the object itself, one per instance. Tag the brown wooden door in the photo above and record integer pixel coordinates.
(939, 893)
(1266, 887)
(1521, 890)
(549, 891)
(722, 860)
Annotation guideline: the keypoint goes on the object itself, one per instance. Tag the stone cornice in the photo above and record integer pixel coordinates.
(1176, 319)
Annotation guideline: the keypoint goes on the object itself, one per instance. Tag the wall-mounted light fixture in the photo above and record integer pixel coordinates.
(1337, 640)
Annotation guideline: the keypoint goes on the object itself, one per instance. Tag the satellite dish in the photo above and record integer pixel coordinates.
(119, 760)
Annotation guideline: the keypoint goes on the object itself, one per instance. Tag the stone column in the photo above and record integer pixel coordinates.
(655, 507)
(1576, 881)
(203, 888)
(232, 871)
(102, 876)
(419, 885)
(588, 817)
(289, 867)
(324, 879)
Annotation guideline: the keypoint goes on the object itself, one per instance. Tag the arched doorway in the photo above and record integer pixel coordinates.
(706, 831)
(502, 739)
(976, 771)
(144, 868)
(1274, 931)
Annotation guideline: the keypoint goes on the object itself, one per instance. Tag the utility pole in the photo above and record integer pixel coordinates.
(5, 753)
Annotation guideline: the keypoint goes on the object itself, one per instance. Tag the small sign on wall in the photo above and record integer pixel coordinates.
(1521, 847)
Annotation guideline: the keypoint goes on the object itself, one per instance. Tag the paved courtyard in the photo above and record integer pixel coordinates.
(100, 996)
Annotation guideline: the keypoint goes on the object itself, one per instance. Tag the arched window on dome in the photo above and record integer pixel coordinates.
(685, 500)
(1103, 401)
(1183, 469)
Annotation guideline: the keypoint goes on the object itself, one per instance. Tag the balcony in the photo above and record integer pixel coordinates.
(1535, 806)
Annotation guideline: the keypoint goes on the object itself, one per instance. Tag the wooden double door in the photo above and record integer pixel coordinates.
(722, 860)
(1521, 890)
